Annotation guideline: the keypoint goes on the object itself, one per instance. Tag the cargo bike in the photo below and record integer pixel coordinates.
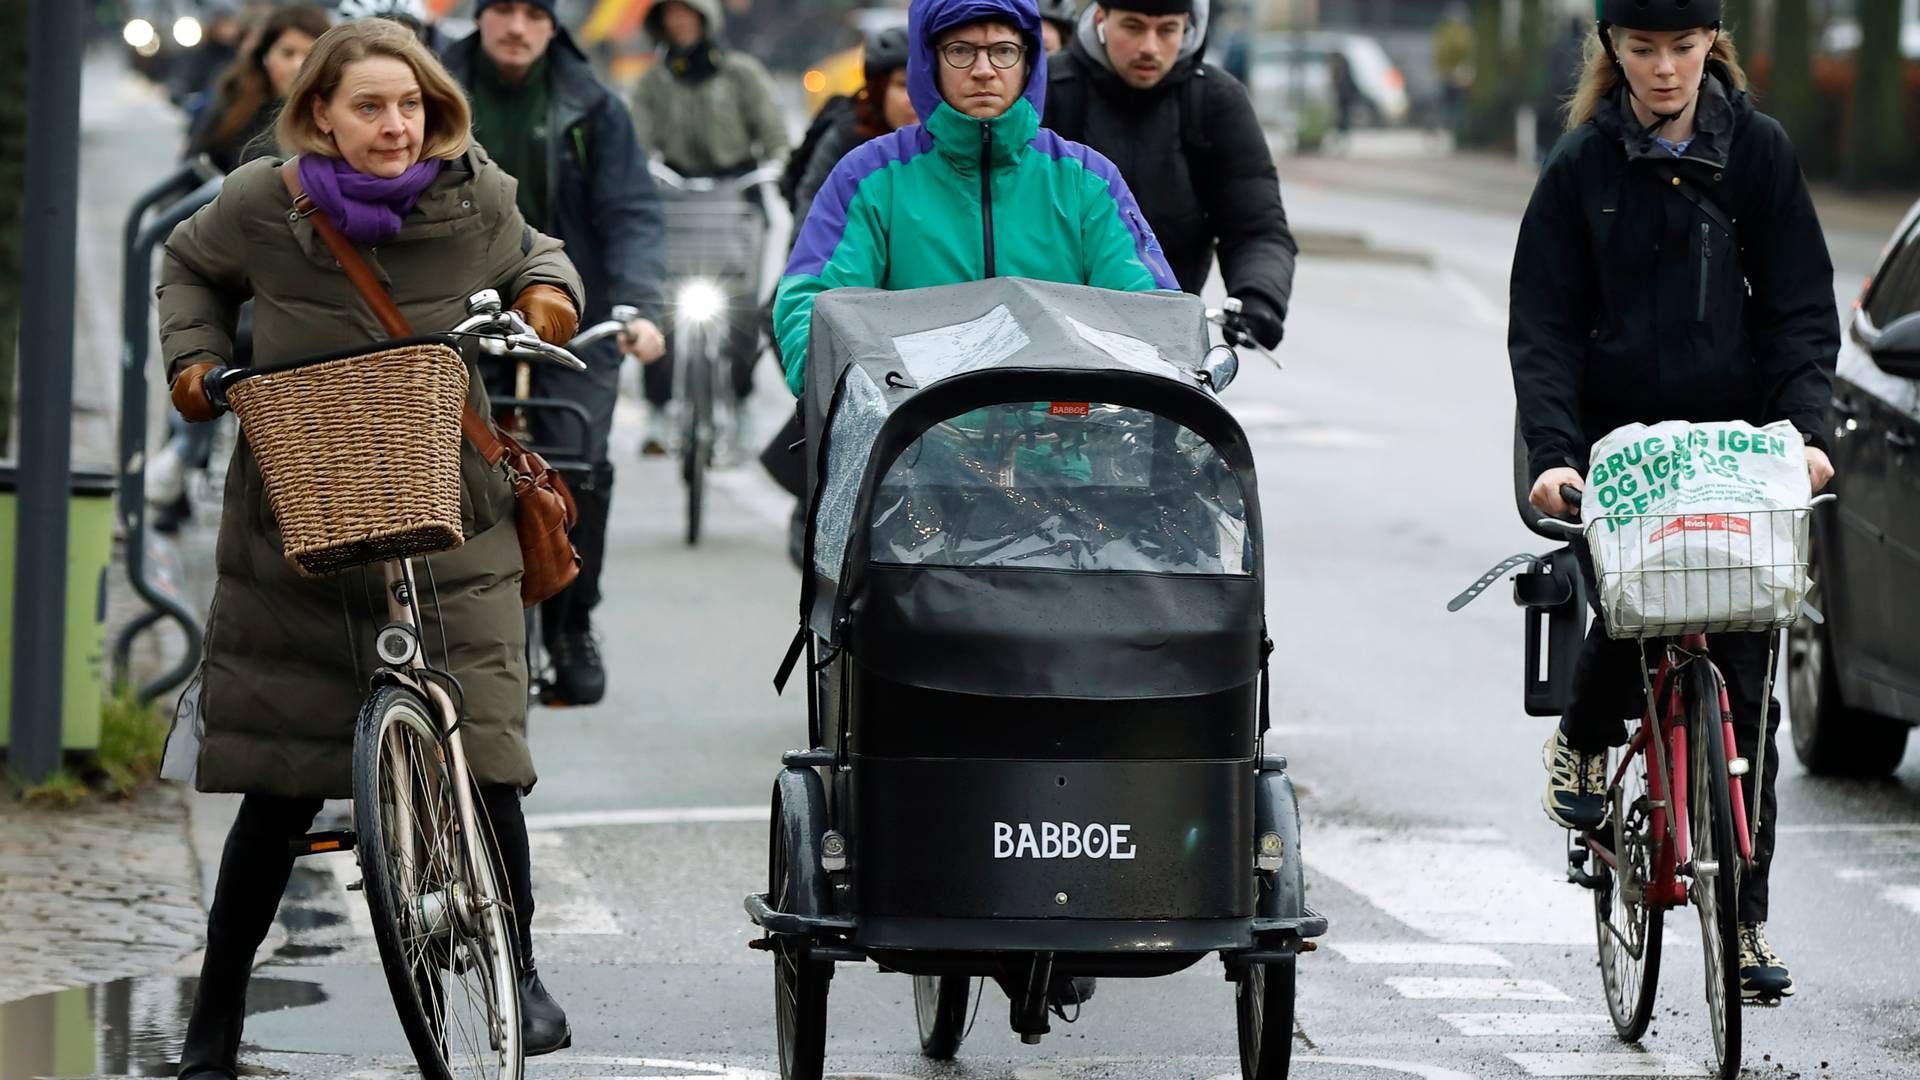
(1035, 670)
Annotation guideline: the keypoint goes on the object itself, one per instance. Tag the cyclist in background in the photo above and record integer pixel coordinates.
(1669, 266)
(706, 111)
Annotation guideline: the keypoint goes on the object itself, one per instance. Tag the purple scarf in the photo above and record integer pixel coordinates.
(368, 209)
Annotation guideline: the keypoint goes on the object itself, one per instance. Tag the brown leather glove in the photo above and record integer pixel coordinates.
(549, 311)
(189, 391)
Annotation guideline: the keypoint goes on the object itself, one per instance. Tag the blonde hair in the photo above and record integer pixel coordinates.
(449, 120)
(1600, 76)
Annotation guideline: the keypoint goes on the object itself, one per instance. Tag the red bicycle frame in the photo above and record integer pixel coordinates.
(1667, 788)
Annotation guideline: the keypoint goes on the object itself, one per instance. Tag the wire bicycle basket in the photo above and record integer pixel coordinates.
(1715, 572)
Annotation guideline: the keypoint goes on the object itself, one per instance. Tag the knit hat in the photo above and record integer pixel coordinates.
(544, 5)
(1150, 7)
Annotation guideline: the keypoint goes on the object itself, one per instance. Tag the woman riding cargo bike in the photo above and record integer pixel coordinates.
(386, 159)
(1669, 267)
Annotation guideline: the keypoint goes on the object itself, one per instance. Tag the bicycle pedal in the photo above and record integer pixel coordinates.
(323, 843)
(357, 885)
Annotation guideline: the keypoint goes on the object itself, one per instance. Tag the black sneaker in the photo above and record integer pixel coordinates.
(1576, 786)
(543, 1024)
(578, 677)
(1763, 975)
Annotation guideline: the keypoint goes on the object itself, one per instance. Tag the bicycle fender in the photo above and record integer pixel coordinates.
(800, 813)
(1283, 892)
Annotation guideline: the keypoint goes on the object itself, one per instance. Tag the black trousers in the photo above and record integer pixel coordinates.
(1607, 688)
(254, 868)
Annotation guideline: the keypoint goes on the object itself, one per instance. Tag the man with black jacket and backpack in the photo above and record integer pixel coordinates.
(1131, 85)
(569, 141)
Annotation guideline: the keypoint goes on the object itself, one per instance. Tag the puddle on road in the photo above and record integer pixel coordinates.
(131, 1027)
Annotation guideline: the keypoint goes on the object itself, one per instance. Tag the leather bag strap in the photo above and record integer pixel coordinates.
(479, 432)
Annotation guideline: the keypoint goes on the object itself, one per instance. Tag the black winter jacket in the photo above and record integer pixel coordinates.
(605, 208)
(1630, 303)
(1215, 186)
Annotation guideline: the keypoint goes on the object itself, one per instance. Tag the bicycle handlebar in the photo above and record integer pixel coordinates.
(622, 315)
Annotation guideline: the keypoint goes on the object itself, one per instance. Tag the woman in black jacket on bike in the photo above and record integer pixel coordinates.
(1670, 266)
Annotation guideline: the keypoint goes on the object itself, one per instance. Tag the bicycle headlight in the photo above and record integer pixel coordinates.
(700, 300)
(186, 31)
(138, 34)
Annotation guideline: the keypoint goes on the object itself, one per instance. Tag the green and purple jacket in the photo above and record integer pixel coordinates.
(956, 199)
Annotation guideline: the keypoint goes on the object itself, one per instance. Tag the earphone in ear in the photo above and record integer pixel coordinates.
(1100, 31)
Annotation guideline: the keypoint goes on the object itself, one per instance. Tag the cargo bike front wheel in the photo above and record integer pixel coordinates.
(1263, 1014)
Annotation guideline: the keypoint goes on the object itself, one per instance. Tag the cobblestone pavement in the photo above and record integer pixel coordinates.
(95, 893)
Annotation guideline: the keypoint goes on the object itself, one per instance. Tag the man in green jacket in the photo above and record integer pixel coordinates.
(706, 111)
(978, 189)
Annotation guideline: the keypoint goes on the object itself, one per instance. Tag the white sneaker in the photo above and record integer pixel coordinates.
(166, 475)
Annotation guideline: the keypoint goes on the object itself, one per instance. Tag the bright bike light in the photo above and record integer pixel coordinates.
(138, 34)
(186, 31)
(700, 301)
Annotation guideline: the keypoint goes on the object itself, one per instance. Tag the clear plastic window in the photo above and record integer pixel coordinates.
(1062, 485)
(856, 424)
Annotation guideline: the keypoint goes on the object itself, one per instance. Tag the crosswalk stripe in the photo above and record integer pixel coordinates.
(1418, 952)
(1470, 989)
(1907, 896)
(1454, 885)
(1613, 1064)
(1522, 1025)
(346, 871)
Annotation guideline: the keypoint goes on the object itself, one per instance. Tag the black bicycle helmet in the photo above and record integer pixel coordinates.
(1658, 14)
(886, 53)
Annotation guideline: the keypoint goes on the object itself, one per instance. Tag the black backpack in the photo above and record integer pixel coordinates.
(1068, 92)
(829, 114)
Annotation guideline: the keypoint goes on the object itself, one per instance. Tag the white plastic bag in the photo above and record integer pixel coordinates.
(1698, 527)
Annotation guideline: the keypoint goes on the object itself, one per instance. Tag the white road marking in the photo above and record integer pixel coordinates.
(1523, 1025)
(671, 815)
(1407, 1068)
(1843, 827)
(1463, 885)
(1907, 896)
(681, 1070)
(752, 488)
(564, 901)
(1614, 1064)
(1418, 952)
(1476, 302)
(1451, 988)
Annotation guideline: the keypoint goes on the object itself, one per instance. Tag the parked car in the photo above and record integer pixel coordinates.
(1854, 680)
(1290, 75)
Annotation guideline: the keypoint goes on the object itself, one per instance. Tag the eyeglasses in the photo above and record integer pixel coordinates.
(1001, 54)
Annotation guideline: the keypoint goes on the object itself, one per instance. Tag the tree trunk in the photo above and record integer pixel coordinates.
(1489, 119)
(13, 159)
(1878, 150)
(1790, 94)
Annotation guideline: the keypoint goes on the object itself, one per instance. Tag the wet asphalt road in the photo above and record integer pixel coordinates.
(1456, 949)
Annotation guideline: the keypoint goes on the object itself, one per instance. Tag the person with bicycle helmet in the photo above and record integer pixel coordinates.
(384, 148)
(882, 105)
(1669, 266)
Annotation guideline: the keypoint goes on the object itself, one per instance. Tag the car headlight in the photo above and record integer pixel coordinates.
(187, 31)
(700, 300)
(138, 34)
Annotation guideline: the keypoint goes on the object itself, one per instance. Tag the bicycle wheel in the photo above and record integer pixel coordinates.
(696, 442)
(1716, 864)
(799, 982)
(1263, 1018)
(1629, 928)
(940, 1006)
(442, 929)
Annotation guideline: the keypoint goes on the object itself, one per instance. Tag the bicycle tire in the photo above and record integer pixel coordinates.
(1630, 983)
(697, 438)
(800, 983)
(430, 936)
(1710, 824)
(940, 1009)
(1263, 1002)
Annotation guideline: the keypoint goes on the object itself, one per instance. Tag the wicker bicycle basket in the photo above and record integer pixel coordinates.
(361, 455)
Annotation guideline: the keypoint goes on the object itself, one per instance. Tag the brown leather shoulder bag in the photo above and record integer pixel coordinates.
(544, 510)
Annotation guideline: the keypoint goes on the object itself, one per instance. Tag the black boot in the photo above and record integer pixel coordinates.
(543, 1023)
(254, 868)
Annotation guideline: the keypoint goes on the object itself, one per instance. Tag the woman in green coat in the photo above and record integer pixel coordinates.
(382, 135)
